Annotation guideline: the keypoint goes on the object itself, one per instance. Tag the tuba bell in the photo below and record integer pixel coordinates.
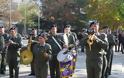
(26, 56)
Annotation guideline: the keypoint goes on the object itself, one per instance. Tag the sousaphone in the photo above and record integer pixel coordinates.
(26, 55)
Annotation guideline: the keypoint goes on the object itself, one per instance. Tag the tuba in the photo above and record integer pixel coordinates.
(26, 56)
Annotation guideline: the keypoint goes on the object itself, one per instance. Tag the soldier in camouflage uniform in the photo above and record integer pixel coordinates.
(33, 34)
(95, 44)
(42, 54)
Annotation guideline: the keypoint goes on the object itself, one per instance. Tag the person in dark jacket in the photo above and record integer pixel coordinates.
(110, 52)
(120, 38)
(3, 49)
(72, 41)
(56, 43)
(123, 42)
(14, 44)
(2, 54)
(33, 34)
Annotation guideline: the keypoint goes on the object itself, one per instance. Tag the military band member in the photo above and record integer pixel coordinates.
(95, 44)
(110, 53)
(72, 40)
(4, 50)
(105, 61)
(55, 41)
(2, 54)
(42, 54)
(14, 44)
(34, 39)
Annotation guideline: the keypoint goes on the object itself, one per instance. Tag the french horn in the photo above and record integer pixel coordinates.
(26, 56)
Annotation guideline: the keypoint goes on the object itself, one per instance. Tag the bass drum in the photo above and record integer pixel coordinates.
(26, 56)
(64, 57)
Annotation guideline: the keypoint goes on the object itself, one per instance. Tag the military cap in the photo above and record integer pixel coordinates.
(12, 28)
(67, 26)
(1, 26)
(42, 34)
(33, 29)
(93, 22)
(52, 25)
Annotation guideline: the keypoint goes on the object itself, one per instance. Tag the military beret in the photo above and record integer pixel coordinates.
(67, 26)
(33, 28)
(51, 25)
(1, 26)
(42, 34)
(92, 23)
(12, 28)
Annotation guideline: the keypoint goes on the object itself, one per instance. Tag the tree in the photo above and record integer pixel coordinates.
(29, 11)
(65, 10)
(107, 12)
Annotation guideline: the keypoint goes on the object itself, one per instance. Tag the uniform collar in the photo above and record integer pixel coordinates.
(42, 44)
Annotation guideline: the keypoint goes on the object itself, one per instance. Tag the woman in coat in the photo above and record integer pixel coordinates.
(42, 54)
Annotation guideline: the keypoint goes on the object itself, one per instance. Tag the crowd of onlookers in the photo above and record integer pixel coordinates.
(119, 47)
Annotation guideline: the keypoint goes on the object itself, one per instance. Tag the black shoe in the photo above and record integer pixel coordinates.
(109, 73)
(2, 72)
(31, 74)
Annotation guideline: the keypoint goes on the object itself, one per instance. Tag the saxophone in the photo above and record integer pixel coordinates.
(26, 56)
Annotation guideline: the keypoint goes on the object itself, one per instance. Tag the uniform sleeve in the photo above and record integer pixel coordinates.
(19, 41)
(102, 41)
(75, 39)
(2, 43)
(83, 41)
(49, 51)
(111, 40)
(75, 36)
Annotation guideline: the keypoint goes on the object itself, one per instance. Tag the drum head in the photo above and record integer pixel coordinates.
(61, 57)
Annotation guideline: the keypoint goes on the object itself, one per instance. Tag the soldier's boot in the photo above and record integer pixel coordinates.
(3, 69)
(17, 72)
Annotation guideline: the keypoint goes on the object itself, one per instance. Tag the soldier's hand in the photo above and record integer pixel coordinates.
(45, 55)
(65, 46)
(94, 37)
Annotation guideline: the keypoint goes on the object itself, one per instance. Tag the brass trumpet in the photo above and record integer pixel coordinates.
(90, 41)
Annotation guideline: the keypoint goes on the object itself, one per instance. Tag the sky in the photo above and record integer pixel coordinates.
(17, 1)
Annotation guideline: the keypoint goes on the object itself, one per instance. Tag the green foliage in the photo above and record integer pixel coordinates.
(107, 12)
(78, 12)
(29, 11)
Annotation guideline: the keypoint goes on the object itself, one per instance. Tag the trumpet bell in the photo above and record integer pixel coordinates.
(26, 57)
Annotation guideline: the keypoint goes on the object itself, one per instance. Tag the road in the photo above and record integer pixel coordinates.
(80, 72)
